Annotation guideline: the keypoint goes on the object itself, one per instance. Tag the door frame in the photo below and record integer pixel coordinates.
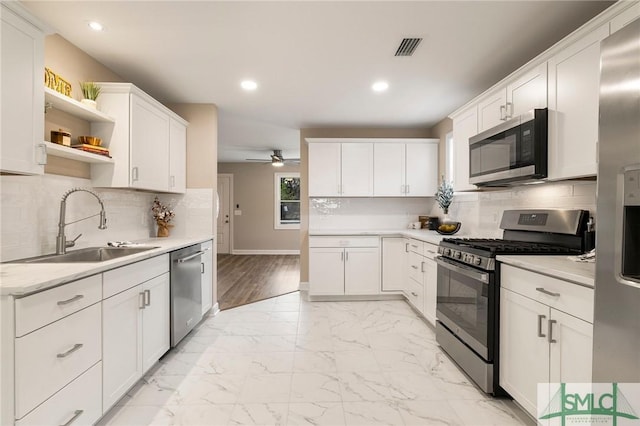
(231, 209)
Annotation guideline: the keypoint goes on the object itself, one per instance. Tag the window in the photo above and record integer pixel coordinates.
(287, 196)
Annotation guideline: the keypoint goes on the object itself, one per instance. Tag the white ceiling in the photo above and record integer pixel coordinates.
(314, 61)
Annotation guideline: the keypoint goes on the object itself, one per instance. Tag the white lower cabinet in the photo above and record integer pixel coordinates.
(344, 266)
(421, 286)
(395, 257)
(155, 320)
(207, 276)
(538, 342)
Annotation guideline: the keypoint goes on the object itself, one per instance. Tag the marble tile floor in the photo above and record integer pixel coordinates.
(287, 361)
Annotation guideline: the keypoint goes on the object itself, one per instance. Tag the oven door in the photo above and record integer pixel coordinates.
(466, 304)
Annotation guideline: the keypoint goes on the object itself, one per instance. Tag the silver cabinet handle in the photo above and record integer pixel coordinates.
(43, 154)
(414, 294)
(172, 181)
(342, 257)
(201, 268)
(408, 189)
(184, 259)
(402, 189)
(147, 297)
(503, 112)
(73, 299)
(406, 247)
(141, 300)
(70, 351)
(545, 291)
(76, 414)
(422, 267)
(540, 318)
(346, 257)
(551, 339)
(510, 109)
(134, 174)
(431, 251)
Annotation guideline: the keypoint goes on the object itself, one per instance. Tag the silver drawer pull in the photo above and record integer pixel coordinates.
(70, 351)
(73, 299)
(414, 294)
(414, 266)
(414, 246)
(545, 291)
(76, 414)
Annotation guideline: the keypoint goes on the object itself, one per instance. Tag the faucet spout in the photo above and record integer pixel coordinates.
(61, 239)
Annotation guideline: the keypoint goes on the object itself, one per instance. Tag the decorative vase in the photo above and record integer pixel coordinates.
(163, 229)
(90, 103)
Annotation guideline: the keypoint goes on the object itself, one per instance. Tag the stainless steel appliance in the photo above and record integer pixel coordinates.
(186, 291)
(616, 334)
(468, 294)
(514, 151)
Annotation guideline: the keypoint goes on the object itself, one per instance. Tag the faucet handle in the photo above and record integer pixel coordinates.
(72, 242)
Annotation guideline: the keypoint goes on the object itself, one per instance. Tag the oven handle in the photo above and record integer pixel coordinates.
(464, 270)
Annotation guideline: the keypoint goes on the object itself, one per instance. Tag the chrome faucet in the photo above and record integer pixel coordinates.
(61, 240)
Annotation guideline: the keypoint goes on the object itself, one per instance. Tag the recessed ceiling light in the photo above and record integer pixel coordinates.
(249, 85)
(380, 86)
(96, 26)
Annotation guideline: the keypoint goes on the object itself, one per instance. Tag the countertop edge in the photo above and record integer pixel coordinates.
(543, 268)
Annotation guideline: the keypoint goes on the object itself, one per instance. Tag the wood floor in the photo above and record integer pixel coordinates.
(245, 279)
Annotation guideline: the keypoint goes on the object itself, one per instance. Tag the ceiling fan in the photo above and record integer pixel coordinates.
(277, 160)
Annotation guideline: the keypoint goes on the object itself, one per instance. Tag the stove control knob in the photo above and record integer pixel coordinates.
(457, 255)
(447, 252)
(477, 261)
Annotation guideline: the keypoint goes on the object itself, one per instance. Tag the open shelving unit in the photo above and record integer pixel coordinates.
(57, 150)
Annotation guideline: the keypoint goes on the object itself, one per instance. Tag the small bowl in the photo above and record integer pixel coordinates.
(445, 231)
(91, 140)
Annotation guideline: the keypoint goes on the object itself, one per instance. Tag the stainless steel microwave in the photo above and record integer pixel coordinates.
(512, 152)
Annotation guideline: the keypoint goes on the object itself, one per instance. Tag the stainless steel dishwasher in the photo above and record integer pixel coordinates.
(186, 291)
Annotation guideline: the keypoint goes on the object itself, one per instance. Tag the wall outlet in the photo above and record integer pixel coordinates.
(237, 212)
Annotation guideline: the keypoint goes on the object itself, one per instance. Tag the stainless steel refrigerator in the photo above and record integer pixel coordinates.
(616, 346)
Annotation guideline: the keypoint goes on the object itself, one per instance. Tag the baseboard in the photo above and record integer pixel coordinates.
(304, 286)
(215, 310)
(266, 252)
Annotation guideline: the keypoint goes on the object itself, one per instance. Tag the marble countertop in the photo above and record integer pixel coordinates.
(19, 279)
(419, 234)
(556, 266)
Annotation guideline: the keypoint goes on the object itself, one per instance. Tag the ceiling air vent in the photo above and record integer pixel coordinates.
(408, 46)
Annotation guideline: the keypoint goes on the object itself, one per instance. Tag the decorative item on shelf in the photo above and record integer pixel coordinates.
(444, 197)
(90, 140)
(90, 92)
(94, 149)
(163, 215)
(61, 137)
(57, 83)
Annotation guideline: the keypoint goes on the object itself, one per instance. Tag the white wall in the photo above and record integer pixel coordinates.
(29, 212)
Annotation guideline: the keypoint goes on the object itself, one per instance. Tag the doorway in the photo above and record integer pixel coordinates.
(225, 183)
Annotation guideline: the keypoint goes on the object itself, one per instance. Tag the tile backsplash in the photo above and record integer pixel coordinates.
(29, 212)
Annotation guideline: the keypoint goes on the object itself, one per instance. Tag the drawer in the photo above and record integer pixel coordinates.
(45, 360)
(80, 400)
(567, 297)
(416, 246)
(430, 250)
(40, 309)
(121, 279)
(415, 294)
(344, 241)
(415, 266)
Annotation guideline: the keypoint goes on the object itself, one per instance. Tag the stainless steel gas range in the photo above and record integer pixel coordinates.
(468, 295)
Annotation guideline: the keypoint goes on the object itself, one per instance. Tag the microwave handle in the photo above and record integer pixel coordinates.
(466, 271)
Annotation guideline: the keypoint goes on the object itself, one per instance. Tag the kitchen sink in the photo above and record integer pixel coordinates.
(86, 255)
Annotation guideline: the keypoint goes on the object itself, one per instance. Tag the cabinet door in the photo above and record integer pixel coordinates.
(571, 353)
(207, 276)
(388, 169)
(524, 355)
(422, 169)
(324, 169)
(465, 125)
(362, 271)
(430, 279)
(357, 170)
(326, 271)
(121, 344)
(155, 320)
(149, 146)
(491, 110)
(626, 17)
(177, 157)
(23, 149)
(527, 92)
(394, 263)
(574, 89)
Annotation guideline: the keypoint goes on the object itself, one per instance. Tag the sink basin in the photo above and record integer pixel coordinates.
(90, 254)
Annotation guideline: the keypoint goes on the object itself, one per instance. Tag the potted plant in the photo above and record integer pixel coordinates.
(90, 92)
(444, 197)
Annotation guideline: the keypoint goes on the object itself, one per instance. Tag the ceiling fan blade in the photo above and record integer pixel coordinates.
(260, 160)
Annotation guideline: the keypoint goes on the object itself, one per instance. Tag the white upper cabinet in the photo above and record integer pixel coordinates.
(626, 17)
(357, 170)
(465, 125)
(517, 96)
(324, 169)
(23, 148)
(574, 86)
(147, 142)
(405, 169)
